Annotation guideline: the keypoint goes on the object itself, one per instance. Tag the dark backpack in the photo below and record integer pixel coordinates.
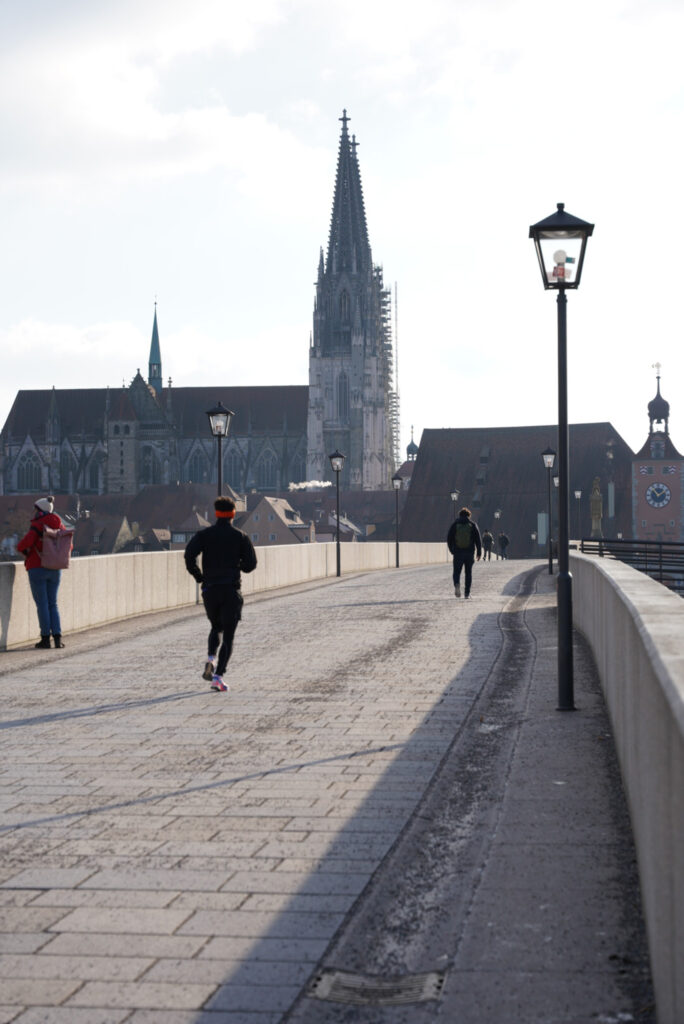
(463, 536)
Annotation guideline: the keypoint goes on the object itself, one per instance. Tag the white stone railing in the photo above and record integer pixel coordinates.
(635, 627)
(107, 588)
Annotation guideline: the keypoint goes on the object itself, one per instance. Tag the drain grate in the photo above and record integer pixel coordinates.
(367, 990)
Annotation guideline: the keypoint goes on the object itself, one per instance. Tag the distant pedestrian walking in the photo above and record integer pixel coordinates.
(44, 582)
(463, 539)
(503, 545)
(487, 544)
(226, 552)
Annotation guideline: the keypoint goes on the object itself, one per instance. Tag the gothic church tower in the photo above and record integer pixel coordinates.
(352, 404)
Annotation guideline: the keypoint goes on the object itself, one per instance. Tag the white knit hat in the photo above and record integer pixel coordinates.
(45, 504)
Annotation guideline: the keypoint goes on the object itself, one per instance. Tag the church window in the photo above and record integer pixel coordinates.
(28, 473)
(66, 467)
(116, 430)
(267, 471)
(197, 469)
(657, 449)
(343, 396)
(232, 469)
(150, 467)
(344, 305)
(298, 469)
(94, 476)
(127, 429)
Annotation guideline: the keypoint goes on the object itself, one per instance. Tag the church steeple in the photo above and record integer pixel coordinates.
(658, 408)
(154, 378)
(348, 246)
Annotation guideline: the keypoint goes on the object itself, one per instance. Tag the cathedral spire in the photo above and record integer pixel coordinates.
(348, 246)
(155, 369)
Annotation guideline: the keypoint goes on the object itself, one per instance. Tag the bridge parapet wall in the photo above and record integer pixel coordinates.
(107, 588)
(635, 627)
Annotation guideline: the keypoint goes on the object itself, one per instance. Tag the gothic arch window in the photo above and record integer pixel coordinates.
(298, 469)
(267, 471)
(232, 469)
(94, 476)
(150, 467)
(127, 429)
(116, 431)
(28, 473)
(343, 396)
(328, 305)
(344, 305)
(197, 469)
(67, 475)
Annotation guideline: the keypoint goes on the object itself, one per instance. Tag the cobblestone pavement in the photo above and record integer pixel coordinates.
(386, 791)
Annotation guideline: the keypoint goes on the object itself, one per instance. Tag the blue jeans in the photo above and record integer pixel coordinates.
(44, 586)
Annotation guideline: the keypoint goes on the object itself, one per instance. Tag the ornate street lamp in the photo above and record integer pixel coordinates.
(397, 481)
(219, 423)
(337, 462)
(560, 242)
(549, 457)
(454, 497)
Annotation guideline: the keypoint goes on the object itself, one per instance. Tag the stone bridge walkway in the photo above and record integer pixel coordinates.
(385, 821)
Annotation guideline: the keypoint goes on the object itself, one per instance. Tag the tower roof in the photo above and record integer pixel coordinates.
(348, 246)
(155, 351)
(658, 409)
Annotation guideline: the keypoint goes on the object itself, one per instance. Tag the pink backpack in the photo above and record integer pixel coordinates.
(57, 545)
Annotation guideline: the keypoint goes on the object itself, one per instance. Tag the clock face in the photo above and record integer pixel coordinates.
(658, 495)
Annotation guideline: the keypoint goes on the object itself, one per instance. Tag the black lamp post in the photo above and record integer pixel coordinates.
(578, 497)
(397, 481)
(533, 538)
(219, 422)
(560, 242)
(549, 457)
(454, 497)
(337, 462)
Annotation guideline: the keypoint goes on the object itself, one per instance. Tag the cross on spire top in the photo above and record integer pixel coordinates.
(344, 120)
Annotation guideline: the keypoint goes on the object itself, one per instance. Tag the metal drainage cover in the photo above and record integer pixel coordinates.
(367, 990)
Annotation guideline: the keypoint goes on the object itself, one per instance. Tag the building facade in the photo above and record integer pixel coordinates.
(658, 480)
(118, 440)
(353, 403)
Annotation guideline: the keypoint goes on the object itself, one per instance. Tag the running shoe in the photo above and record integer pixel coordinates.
(209, 670)
(457, 591)
(218, 684)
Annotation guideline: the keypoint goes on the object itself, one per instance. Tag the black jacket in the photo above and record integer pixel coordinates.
(226, 551)
(475, 541)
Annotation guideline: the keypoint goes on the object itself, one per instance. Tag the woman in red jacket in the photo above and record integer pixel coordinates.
(44, 582)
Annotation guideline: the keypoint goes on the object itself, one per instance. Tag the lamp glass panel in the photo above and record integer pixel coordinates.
(219, 424)
(337, 462)
(561, 253)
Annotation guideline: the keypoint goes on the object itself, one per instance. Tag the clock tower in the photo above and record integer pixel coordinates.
(658, 479)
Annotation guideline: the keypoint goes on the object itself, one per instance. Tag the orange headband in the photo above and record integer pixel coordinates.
(225, 515)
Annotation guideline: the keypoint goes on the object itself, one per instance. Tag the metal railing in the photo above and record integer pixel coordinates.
(661, 560)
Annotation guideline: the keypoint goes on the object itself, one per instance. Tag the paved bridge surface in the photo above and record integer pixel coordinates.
(385, 820)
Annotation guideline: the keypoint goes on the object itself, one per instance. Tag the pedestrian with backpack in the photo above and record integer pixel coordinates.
(463, 540)
(44, 581)
(226, 552)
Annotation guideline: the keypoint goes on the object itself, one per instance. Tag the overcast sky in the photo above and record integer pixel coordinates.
(187, 151)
